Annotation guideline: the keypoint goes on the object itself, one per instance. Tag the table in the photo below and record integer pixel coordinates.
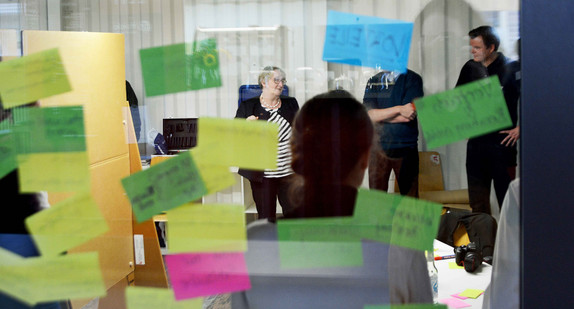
(454, 281)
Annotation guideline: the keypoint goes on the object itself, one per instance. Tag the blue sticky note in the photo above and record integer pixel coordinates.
(367, 41)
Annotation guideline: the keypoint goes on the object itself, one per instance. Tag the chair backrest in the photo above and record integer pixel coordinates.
(430, 172)
(251, 91)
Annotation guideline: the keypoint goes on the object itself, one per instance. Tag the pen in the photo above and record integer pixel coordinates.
(436, 258)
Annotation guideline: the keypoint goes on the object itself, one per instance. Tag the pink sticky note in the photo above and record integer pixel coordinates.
(453, 302)
(203, 274)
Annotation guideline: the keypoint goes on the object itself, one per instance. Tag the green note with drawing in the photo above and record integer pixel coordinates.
(464, 112)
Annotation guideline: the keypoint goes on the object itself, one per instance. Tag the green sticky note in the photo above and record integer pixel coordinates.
(33, 77)
(204, 68)
(50, 129)
(471, 293)
(453, 265)
(216, 177)
(180, 67)
(237, 142)
(56, 172)
(407, 306)
(321, 242)
(164, 186)
(46, 279)
(8, 153)
(397, 219)
(139, 297)
(66, 224)
(207, 228)
(467, 111)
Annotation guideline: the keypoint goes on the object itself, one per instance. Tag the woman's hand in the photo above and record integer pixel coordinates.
(512, 137)
(250, 118)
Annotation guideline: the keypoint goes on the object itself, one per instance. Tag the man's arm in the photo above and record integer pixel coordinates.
(395, 114)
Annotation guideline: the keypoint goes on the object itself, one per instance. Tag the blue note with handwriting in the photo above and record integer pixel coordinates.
(367, 41)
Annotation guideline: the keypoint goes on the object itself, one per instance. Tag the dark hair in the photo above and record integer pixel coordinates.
(488, 34)
(330, 133)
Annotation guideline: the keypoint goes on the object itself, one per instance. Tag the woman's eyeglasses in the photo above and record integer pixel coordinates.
(280, 80)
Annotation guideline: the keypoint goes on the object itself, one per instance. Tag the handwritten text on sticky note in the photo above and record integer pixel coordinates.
(207, 228)
(203, 274)
(33, 77)
(467, 111)
(42, 279)
(367, 41)
(233, 142)
(164, 186)
(58, 172)
(66, 224)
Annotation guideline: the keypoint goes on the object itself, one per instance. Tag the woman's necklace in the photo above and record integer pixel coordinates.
(267, 105)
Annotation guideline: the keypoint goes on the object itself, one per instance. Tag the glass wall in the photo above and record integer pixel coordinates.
(290, 34)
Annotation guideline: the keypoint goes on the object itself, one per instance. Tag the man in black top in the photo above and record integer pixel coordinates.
(491, 157)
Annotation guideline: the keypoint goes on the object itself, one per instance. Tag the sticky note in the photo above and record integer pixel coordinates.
(50, 129)
(43, 279)
(236, 142)
(203, 274)
(367, 41)
(139, 297)
(8, 257)
(32, 77)
(180, 67)
(8, 152)
(471, 293)
(396, 219)
(459, 297)
(467, 111)
(453, 265)
(321, 242)
(215, 176)
(453, 302)
(406, 306)
(207, 228)
(164, 186)
(57, 172)
(66, 224)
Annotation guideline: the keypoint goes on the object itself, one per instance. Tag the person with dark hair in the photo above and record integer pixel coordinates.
(271, 106)
(389, 98)
(492, 156)
(134, 111)
(332, 137)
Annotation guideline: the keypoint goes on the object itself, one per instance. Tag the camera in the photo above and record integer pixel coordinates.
(470, 256)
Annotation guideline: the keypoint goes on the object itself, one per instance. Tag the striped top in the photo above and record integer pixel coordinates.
(283, 150)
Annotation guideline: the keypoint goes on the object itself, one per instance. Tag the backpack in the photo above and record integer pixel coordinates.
(480, 227)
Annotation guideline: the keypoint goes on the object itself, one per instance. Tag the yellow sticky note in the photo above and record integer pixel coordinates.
(138, 297)
(43, 279)
(452, 265)
(471, 293)
(66, 224)
(237, 142)
(56, 172)
(29, 78)
(8, 257)
(207, 228)
(215, 176)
